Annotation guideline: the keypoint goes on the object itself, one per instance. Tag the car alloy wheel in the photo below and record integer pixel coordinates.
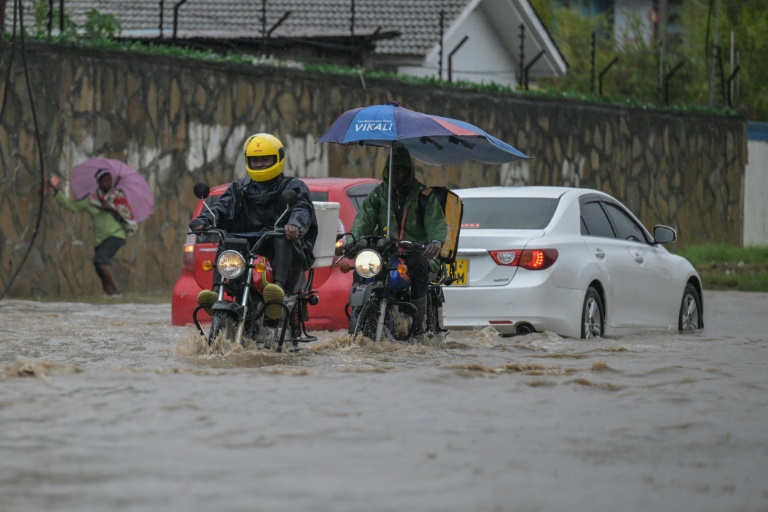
(690, 310)
(592, 316)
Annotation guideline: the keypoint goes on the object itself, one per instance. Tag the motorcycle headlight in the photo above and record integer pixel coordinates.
(368, 263)
(231, 264)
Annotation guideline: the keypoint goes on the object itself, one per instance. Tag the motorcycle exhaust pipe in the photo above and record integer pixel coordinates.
(524, 328)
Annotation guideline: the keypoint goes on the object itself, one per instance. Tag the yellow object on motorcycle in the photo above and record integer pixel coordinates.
(207, 265)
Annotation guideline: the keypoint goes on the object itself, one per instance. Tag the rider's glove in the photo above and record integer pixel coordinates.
(432, 250)
(198, 225)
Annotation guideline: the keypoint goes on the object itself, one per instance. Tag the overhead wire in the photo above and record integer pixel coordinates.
(18, 7)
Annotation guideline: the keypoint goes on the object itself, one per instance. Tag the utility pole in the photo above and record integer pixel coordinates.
(440, 57)
(661, 21)
(2, 19)
(715, 56)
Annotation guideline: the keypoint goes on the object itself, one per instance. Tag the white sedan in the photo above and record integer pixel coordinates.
(572, 261)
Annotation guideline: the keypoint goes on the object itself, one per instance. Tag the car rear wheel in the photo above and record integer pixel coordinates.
(690, 318)
(592, 315)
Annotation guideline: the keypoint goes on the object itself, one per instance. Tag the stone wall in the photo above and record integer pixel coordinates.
(181, 121)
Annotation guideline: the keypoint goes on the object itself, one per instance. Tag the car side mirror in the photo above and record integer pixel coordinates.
(664, 234)
(201, 190)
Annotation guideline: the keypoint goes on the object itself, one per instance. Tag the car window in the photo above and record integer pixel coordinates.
(594, 221)
(626, 227)
(358, 193)
(318, 196)
(508, 212)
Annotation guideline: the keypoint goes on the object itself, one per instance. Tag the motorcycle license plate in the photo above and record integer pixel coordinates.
(462, 273)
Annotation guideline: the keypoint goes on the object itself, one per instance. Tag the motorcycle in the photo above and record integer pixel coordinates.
(240, 277)
(379, 303)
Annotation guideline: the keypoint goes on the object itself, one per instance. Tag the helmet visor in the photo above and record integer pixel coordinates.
(262, 162)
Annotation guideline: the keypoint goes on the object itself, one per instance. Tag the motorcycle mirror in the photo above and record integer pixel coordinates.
(201, 190)
(289, 197)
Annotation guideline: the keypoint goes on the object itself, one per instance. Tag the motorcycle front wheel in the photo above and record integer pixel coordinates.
(368, 317)
(223, 323)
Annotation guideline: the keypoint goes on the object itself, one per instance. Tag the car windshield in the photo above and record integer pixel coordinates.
(507, 212)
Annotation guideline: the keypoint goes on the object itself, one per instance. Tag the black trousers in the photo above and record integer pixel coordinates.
(288, 262)
(418, 269)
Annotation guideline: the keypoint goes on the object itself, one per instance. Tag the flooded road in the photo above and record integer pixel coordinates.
(109, 407)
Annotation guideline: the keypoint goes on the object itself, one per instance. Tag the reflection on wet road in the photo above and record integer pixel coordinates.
(110, 407)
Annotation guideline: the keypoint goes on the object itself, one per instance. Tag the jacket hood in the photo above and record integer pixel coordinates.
(400, 156)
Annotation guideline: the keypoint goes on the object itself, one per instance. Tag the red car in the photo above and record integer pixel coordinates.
(331, 284)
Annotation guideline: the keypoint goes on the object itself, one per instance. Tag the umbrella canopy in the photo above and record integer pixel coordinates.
(432, 139)
(133, 184)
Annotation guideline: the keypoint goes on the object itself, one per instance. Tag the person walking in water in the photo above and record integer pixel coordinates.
(109, 232)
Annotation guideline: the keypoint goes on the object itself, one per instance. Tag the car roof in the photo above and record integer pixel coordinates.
(534, 191)
(313, 184)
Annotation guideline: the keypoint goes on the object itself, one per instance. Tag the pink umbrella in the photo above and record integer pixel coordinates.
(133, 184)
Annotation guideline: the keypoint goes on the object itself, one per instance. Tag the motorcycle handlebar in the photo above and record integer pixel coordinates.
(375, 243)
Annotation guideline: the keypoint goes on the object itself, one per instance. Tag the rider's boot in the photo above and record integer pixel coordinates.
(421, 316)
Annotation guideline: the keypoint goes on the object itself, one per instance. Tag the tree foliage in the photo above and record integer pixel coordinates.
(692, 68)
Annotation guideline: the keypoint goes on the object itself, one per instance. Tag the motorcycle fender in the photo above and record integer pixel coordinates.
(360, 294)
(232, 307)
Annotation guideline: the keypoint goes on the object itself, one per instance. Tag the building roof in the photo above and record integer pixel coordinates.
(418, 22)
(401, 32)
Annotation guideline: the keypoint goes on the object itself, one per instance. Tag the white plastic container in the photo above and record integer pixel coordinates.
(327, 227)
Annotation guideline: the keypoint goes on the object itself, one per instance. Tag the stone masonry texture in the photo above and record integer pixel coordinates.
(181, 121)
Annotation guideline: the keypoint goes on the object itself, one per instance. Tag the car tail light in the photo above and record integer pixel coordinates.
(188, 259)
(530, 259)
(506, 258)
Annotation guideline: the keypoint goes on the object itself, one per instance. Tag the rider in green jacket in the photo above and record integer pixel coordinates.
(406, 222)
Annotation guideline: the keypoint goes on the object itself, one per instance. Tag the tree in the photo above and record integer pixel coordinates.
(683, 73)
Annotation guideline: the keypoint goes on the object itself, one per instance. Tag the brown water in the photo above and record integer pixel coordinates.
(108, 407)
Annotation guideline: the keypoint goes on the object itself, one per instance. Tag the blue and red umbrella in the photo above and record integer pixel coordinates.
(432, 139)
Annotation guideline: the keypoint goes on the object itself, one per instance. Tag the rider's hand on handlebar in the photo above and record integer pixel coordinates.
(432, 250)
(292, 232)
(340, 248)
(200, 227)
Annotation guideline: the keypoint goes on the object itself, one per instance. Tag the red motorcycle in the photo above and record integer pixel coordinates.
(241, 273)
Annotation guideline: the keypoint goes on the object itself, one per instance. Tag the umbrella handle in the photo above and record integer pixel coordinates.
(389, 186)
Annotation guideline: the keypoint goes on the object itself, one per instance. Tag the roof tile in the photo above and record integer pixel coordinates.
(416, 20)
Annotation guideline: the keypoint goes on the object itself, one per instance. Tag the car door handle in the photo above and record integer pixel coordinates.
(599, 254)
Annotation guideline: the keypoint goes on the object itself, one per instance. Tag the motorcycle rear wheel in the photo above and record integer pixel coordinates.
(222, 323)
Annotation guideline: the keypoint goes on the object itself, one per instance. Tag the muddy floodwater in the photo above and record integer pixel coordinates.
(109, 407)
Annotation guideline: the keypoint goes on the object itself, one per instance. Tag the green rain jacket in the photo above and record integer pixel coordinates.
(372, 217)
(104, 223)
